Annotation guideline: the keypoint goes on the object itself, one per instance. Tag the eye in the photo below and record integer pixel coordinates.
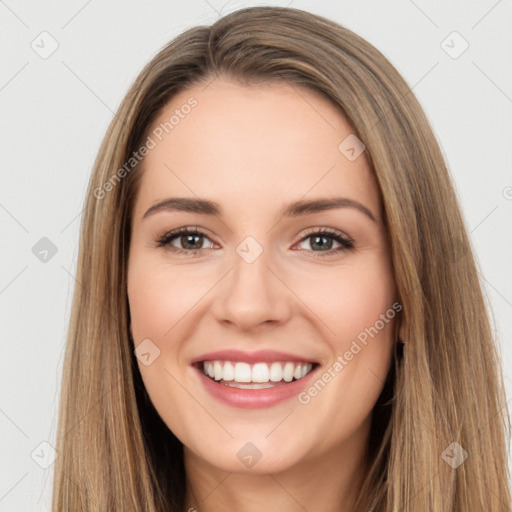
(323, 240)
(190, 239)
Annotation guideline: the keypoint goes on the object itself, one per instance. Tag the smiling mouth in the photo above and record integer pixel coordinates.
(262, 375)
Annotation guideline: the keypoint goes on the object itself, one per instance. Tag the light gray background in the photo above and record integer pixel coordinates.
(55, 111)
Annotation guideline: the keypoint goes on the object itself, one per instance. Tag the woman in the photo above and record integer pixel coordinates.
(277, 307)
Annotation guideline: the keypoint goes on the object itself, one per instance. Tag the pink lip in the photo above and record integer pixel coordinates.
(259, 356)
(254, 398)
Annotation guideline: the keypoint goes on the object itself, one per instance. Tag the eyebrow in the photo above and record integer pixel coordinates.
(294, 209)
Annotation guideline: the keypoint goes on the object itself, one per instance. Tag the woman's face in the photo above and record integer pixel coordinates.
(288, 277)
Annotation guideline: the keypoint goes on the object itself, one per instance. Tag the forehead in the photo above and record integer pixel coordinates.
(259, 144)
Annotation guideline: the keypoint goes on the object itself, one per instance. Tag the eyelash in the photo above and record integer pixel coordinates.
(346, 243)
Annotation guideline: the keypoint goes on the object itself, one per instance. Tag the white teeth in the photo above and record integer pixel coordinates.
(276, 372)
(229, 371)
(242, 372)
(259, 373)
(288, 372)
(251, 385)
(217, 370)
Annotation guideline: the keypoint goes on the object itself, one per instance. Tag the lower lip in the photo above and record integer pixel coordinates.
(254, 398)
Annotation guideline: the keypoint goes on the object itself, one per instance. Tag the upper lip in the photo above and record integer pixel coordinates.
(258, 356)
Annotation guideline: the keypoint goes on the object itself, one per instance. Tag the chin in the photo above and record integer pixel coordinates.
(257, 456)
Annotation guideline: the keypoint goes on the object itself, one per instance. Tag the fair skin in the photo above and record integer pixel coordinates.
(252, 150)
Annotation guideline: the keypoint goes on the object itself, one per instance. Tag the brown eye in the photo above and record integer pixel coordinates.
(184, 241)
(321, 242)
(190, 241)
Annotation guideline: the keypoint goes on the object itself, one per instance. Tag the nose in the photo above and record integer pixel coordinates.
(252, 295)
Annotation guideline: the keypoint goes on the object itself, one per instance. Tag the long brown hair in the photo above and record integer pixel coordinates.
(445, 385)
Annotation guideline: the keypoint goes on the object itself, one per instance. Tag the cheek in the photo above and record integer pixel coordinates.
(159, 296)
(352, 298)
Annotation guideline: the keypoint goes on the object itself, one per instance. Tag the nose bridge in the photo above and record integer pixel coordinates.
(252, 293)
